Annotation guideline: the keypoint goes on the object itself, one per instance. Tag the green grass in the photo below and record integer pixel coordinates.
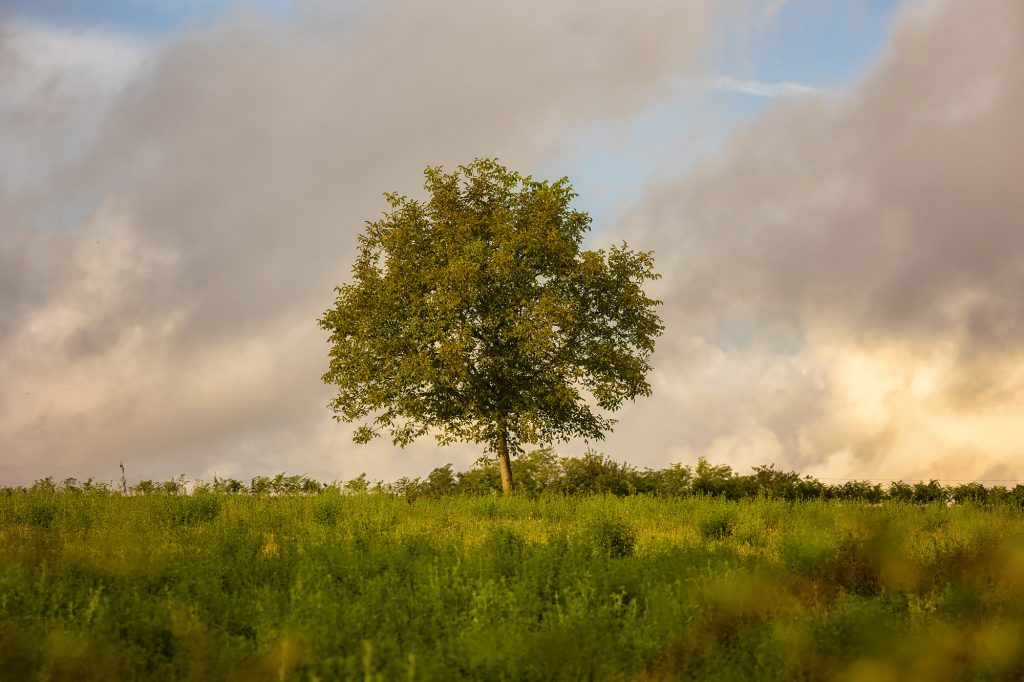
(329, 586)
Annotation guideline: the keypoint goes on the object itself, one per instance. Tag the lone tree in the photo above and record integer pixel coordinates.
(475, 316)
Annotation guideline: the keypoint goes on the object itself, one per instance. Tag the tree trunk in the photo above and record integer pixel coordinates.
(504, 462)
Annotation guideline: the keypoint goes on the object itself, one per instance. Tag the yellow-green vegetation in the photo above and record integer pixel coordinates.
(95, 585)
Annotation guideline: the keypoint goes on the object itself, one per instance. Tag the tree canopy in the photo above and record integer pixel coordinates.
(474, 315)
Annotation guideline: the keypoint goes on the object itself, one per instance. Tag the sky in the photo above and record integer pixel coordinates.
(832, 192)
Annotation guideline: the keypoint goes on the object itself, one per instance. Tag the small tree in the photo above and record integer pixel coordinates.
(476, 316)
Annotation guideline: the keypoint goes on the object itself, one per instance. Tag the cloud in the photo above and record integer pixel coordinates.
(57, 89)
(842, 282)
(773, 7)
(761, 89)
(180, 224)
(840, 279)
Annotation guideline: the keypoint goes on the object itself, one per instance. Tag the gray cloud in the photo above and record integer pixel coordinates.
(842, 282)
(161, 282)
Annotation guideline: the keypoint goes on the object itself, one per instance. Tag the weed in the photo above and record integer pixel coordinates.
(333, 585)
(612, 537)
(717, 525)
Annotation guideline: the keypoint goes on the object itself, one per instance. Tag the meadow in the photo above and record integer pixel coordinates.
(335, 585)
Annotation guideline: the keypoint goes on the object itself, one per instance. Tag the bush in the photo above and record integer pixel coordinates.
(191, 509)
(228, 485)
(862, 491)
(776, 484)
(901, 492)
(673, 481)
(926, 493)
(717, 525)
(328, 509)
(543, 472)
(969, 492)
(504, 548)
(482, 478)
(358, 485)
(538, 471)
(715, 480)
(40, 512)
(597, 474)
(611, 537)
(441, 481)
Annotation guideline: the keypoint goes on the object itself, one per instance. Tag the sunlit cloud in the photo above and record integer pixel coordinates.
(841, 280)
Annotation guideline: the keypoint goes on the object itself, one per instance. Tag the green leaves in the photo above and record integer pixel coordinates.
(476, 312)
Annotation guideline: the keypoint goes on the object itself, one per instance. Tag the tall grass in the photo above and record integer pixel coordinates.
(371, 586)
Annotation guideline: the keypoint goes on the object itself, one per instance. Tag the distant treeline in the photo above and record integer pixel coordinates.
(544, 472)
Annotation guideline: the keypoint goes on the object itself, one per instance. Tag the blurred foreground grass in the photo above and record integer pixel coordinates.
(369, 586)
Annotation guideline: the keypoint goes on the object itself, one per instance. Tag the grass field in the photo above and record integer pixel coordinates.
(369, 586)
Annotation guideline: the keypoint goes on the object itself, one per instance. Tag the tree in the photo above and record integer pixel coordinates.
(475, 316)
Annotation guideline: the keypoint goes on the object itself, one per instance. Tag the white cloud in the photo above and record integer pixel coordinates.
(761, 89)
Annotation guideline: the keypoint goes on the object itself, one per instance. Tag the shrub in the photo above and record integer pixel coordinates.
(40, 512)
(595, 473)
(327, 509)
(441, 481)
(611, 537)
(191, 509)
(537, 471)
(44, 485)
(673, 481)
(714, 480)
(999, 494)
(358, 485)
(925, 493)
(809, 488)
(969, 492)
(716, 525)
(504, 547)
(482, 478)
(901, 492)
(228, 485)
(859, 490)
(144, 487)
(774, 483)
